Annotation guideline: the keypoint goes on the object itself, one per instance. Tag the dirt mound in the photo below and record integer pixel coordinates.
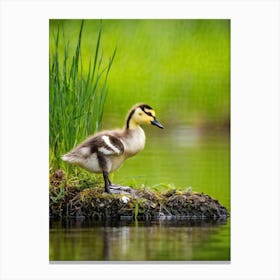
(67, 201)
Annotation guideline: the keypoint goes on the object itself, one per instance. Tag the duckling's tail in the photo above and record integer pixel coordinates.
(70, 157)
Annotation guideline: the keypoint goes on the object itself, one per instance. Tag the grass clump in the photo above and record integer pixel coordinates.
(76, 95)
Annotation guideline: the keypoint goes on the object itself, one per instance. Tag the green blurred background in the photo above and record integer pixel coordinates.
(182, 69)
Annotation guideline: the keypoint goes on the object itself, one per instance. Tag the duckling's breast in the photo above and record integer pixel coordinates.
(134, 142)
(115, 162)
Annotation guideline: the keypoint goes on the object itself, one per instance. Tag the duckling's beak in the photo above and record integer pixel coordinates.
(157, 123)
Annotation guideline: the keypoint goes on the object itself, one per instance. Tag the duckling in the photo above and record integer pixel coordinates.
(105, 151)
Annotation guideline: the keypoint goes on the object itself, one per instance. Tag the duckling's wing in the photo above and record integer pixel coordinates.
(105, 144)
(101, 144)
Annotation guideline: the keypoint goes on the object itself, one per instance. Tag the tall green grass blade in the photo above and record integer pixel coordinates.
(97, 49)
(77, 97)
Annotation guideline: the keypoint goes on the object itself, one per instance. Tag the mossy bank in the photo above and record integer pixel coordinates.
(69, 201)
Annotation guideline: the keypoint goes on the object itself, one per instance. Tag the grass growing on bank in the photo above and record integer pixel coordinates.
(76, 95)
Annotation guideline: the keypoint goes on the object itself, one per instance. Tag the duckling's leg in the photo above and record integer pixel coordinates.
(103, 165)
(107, 181)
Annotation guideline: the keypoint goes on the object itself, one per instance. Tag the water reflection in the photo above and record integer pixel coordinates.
(139, 241)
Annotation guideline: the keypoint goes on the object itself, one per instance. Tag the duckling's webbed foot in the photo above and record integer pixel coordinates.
(107, 181)
(117, 189)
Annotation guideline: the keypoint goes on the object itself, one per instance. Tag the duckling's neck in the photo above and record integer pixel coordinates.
(134, 139)
(131, 124)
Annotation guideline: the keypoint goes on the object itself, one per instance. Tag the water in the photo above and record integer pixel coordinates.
(140, 241)
(182, 157)
(179, 157)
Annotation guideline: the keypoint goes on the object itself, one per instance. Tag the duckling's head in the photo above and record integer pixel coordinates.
(142, 114)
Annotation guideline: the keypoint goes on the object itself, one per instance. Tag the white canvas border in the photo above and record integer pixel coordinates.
(254, 141)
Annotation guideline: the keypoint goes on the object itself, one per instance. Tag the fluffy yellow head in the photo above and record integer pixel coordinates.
(142, 114)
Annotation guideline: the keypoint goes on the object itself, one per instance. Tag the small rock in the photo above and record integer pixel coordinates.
(125, 199)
